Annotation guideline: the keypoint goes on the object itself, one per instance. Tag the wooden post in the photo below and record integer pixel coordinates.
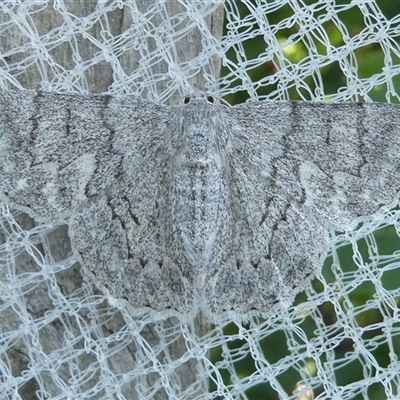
(95, 79)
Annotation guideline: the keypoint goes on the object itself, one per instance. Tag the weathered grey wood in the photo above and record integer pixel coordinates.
(96, 79)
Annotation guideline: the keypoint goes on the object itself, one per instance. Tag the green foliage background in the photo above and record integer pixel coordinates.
(370, 60)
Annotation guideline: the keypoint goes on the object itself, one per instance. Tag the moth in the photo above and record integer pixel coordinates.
(198, 206)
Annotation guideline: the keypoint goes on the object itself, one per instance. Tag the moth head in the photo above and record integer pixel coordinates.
(200, 97)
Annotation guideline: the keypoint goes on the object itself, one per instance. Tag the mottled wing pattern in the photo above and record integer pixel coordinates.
(53, 151)
(199, 206)
(279, 242)
(298, 166)
(102, 161)
(350, 156)
(121, 235)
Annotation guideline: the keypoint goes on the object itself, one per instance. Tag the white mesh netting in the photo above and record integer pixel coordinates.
(61, 338)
